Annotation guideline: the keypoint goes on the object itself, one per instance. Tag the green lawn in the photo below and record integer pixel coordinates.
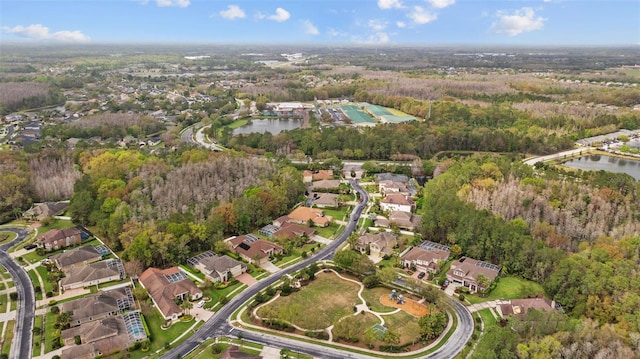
(3, 302)
(316, 306)
(44, 274)
(8, 337)
(6, 236)
(37, 323)
(405, 324)
(372, 297)
(193, 271)
(34, 280)
(328, 231)
(337, 214)
(56, 224)
(488, 318)
(509, 288)
(216, 294)
(296, 253)
(50, 331)
(206, 351)
(33, 256)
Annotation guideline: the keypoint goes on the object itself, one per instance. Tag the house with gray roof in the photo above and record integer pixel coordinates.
(76, 257)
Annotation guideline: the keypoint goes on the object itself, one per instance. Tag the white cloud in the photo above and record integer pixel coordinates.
(335, 33)
(40, 32)
(401, 24)
(377, 25)
(522, 20)
(233, 12)
(390, 4)
(421, 16)
(310, 28)
(280, 15)
(374, 39)
(176, 3)
(441, 4)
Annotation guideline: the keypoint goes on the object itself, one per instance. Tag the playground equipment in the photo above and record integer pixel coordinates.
(396, 298)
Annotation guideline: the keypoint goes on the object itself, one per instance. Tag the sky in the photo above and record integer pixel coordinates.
(366, 22)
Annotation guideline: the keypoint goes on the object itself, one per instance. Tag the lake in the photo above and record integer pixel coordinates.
(272, 125)
(606, 163)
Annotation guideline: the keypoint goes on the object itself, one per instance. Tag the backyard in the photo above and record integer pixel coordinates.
(509, 288)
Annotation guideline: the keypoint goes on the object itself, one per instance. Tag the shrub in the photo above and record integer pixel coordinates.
(55, 310)
(461, 297)
(37, 289)
(56, 343)
(317, 335)
(217, 348)
(49, 294)
(77, 340)
(55, 357)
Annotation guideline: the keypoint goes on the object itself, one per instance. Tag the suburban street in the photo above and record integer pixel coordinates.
(218, 324)
(22, 338)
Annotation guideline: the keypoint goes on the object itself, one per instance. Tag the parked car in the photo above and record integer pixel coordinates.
(30, 246)
(421, 275)
(445, 284)
(200, 304)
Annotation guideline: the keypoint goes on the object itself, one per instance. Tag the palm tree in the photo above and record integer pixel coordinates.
(186, 306)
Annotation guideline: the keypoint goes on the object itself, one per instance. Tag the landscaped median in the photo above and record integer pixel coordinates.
(335, 310)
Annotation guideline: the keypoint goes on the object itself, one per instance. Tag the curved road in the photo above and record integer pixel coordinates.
(22, 337)
(218, 324)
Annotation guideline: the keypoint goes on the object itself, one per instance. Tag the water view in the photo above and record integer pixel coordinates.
(272, 125)
(607, 163)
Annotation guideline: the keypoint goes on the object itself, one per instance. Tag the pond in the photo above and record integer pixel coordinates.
(272, 125)
(606, 163)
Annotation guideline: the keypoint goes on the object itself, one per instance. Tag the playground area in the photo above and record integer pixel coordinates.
(408, 305)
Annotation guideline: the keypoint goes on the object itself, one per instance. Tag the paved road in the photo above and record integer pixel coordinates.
(218, 324)
(22, 337)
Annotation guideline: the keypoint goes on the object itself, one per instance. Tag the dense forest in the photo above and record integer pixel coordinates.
(592, 275)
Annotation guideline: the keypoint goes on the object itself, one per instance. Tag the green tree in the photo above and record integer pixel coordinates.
(431, 325)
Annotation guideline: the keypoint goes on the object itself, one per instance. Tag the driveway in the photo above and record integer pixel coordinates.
(270, 267)
(320, 239)
(247, 279)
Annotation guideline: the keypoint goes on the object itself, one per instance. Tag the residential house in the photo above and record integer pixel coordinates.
(323, 200)
(426, 257)
(405, 220)
(377, 244)
(103, 337)
(325, 186)
(47, 209)
(167, 285)
(252, 249)
(380, 177)
(310, 176)
(304, 215)
(217, 268)
(387, 187)
(290, 231)
(99, 306)
(522, 306)
(93, 274)
(396, 202)
(466, 271)
(60, 238)
(76, 257)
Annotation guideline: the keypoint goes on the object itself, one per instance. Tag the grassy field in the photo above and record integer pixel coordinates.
(327, 232)
(49, 331)
(34, 279)
(56, 224)
(295, 254)
(337, 214)
(405, 324)
(207, 351)
(316, 306)
(6, 236)
(37, 344)
(44, 274)
(193, 271)
(509, 288)
(3, 302)
(8, 337)
(372, 297)
(488, 318)
(216, 294)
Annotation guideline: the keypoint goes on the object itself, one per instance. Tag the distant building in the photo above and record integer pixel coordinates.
(304, 215)
(466, 272)
(93, 274)
(522, 306)
(426, 257)
(253, 249)
(217, 268)
(47, 209)
(167, 285)
(378, 244)
(310, 176)
(60, 238)
(76, 257)
(99, 306)
(396, 202)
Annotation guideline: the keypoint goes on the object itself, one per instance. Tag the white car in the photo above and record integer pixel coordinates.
(200, 304)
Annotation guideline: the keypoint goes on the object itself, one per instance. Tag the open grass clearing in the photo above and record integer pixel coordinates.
(357, 325)
(329, 231)
(36, 283)
(509, 288)
(487, 318)
(405, 325)
(8, 337)
(337, 214)
(372, 297)
(317, 305)
(44, 274)
(216, 294)
(3, 302)
(37, 339)
(50, 332)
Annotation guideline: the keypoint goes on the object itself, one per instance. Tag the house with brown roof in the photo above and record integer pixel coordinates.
(396, 202)
(424, 260)
(93, 274)
(377, 244)
(388, 187)
(310, 176)
(304, 215)
(323, 200)
(99, 306)
(76, 257)
(217, 268)
(165, 285)
(253, 249)
(290, 231)
(522, 306)
(467, 271)
(104, 336)
(324, 185)
(403, 220)
(47, 209)
(60, 238)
